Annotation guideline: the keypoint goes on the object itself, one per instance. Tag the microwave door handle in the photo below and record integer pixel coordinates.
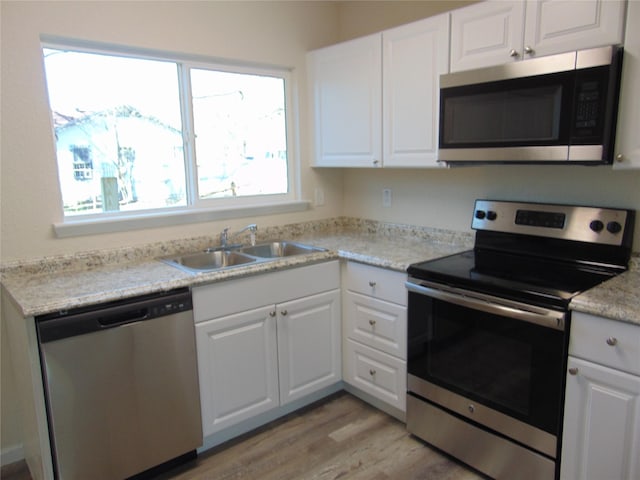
(542, 317)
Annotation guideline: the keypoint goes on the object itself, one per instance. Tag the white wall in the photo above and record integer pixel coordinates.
(443, 198)
(277, 33)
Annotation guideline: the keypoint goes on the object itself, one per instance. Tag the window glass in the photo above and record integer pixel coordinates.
(118, 132)
(241, 144)
(124, 141)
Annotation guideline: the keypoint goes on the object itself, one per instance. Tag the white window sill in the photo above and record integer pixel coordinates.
(77, 227)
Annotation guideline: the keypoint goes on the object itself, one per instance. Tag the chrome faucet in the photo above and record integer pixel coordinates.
(225, 236)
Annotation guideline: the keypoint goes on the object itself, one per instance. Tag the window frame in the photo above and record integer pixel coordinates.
(197, 209)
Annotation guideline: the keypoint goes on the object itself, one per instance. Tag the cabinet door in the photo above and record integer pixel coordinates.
(346, 83)
(555, 26)
(601, 436)
(414, 56)
(238, 367)
(484, 34)
(628, 141)
(309, 344)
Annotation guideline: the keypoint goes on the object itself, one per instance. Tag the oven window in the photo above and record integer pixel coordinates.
(489, 361)
(509, 365)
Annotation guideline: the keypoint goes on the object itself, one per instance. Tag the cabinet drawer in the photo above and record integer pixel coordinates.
(376, 373)
(376, 282)
(232, 296)
(607, 342)
(376, 323)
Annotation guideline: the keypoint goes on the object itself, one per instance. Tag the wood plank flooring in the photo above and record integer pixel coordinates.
(340, 437)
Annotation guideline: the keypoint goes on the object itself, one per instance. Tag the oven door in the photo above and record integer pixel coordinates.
(495, 362)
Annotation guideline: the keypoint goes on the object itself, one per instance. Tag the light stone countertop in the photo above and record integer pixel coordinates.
(61, 283)
(618, 298)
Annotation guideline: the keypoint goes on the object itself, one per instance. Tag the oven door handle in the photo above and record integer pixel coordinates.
(476, 301)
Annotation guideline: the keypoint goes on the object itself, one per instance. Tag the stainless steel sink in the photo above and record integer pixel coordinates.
(209, 260)
(280, 249)
(219, 258)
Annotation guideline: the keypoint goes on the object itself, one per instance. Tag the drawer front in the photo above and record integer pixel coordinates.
(376, 373)
(375, 282)
(376, 323)
(607, 342)
(232, 296)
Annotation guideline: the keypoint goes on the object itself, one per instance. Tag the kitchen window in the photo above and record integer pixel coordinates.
(149, 135)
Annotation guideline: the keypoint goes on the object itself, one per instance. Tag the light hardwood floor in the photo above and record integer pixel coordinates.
(338, 438)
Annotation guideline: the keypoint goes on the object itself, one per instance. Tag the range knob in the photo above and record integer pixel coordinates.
(614, 227)
(491, 215)
(596, 225)
(480, 214)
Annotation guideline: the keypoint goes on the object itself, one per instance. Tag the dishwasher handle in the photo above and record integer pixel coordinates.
(85, 321)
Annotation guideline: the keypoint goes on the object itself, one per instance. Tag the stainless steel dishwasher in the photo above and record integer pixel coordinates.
(121, 386)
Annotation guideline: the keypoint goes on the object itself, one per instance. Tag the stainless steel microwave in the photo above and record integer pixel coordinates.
(555, 109)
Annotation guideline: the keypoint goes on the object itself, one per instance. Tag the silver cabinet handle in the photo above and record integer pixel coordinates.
(372, 322)
(372, 283)
(376, 162)
(372, 372)
(528, 50)
(573, 371)
(612, 341)
(272, 314)
(283, 312)
(514, 53)
(620, 158)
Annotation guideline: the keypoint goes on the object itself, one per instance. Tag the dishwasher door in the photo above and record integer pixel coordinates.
(121, 387)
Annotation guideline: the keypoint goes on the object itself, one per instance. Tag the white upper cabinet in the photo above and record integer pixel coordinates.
(554, 26)
(348, 98)
(346, 84)
(484, 34)
(414, 56)
(627, 151)
(497, 32)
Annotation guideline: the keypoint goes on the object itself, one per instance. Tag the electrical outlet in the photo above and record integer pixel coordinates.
(319, 197)
(386, 197)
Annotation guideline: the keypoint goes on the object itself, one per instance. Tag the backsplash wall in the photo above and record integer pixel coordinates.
(443, 198)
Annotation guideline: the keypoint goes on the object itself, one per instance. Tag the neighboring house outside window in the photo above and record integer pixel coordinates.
(82, 163)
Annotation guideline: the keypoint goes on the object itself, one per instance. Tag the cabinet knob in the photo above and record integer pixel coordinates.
(372, 322)
(528, 50)
(376, 162)
(283, 312)
(612, 341)
(514, 53)
(619, 158)
(272, 314)
(372, 283)
(372, 372)
(573, 371)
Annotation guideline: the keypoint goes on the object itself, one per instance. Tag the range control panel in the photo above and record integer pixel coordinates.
(567, 222)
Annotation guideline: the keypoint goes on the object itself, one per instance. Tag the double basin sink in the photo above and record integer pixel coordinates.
(213, 259)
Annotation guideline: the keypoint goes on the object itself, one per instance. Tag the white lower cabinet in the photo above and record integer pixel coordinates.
(255, 356)
(375, 335)
(238, 364)
(601, 435)
(308, 344)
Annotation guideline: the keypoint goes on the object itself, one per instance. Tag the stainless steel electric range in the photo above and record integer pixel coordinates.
(488, 332)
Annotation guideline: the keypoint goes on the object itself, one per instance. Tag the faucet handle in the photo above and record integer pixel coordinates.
(224, 236)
